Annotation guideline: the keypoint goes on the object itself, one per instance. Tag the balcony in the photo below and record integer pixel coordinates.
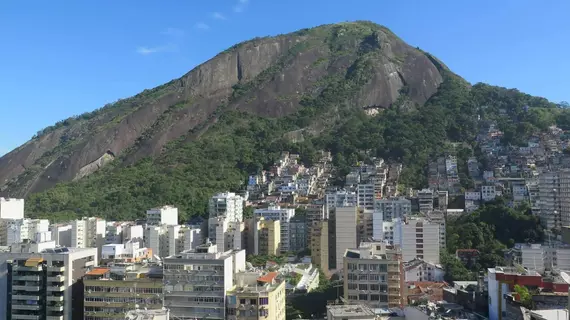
(55, 298)
(24, 268)
(26, 288)
(56, 269)
(25, 317)
(26, 278)
(55, 288)
(56, 278)
(33, 307)
(55, 308)
(25, 297)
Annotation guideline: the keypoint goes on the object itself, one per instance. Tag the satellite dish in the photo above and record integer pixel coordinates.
(565, 276)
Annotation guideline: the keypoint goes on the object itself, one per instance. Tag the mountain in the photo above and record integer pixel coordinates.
(345, 87)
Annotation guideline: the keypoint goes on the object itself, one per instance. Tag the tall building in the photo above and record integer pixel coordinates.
(167, 215)
(425, 200)
(39, 281)
(227, 204)
(346, 232)
(366, 196)
(392, 208)
(265, 236)
(319, 244)
(11, 208)
(340, 199)
(117, 290)
(256, 296)
(365, 227)
(196, 282)
(61, 234)
(225, 233)
(554, 199)
(166, 240)
(284, 215)
(88, 233)
(373, 276)
(418, 238)
(297, 234)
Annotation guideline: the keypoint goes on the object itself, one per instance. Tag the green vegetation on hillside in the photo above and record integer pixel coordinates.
(491, 229)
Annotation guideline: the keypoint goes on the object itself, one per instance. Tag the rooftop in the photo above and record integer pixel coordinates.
(98, 272)
(349, 310)
(269, 277)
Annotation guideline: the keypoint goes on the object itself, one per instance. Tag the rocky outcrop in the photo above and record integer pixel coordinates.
(268, 77)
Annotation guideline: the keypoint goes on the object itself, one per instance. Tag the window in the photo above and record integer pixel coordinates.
(241, 301)
(352, 286)
(253, 301)
(374, 287)
(363, 277)
(373, 277)
(263, 301)
(383, 268)
(375, 297)
(363, 286)
(363, 297)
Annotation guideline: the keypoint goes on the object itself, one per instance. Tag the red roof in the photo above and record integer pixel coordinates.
(268, 277)
(98, 272)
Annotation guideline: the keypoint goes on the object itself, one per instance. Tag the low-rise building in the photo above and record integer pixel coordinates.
(373, 276)
(119, 288)
(350, 312)
(256, 296)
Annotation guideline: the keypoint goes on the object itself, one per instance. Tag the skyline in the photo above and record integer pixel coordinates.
(75, 70)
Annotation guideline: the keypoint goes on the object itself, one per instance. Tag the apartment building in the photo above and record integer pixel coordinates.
(319, 244)
(554, 198)
(61, 234)
(284, 215)
(297, 234)
(19, 230)
(418, 238)
(227, 204)
(364, 228)
(418, 270)
(392, 208)
(120, 288)
(125, 252)
(366, 196)
(541, 257)
(165, 240)
(373, 276)
(265, 236)
(11, 208)
(425, 200)
(340, 198)
(196, 282)
(256, 296)
(345, 232)
(226, 234)
(39, 280)
(167, 215)
(88, 233)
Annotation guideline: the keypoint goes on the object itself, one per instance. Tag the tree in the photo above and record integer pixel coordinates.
(524, 296)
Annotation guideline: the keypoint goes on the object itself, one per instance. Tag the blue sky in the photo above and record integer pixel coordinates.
(61, 58)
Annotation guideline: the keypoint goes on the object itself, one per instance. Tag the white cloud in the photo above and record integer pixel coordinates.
(218, 16)
(240, 7)
(202, 26)
(173, 32)
(152, 50)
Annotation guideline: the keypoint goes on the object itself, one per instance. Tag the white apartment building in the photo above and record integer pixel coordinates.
(167, 240)
(340, 199)
(393, 208)
(345, 232)
(420, 270)
(18, 230)
(196, 282)
(61, 234)
(284, 216)
(167, 215)
(418, 238)
(554, 197)
(88, 233)
(11, 208)
(425, 200)
(541, 257)
(227, 204)
(129, 251)
(372, 276)
(132, 232)
(366, 196)
(27, 267)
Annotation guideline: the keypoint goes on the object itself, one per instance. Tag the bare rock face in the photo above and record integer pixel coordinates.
(267, 77)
